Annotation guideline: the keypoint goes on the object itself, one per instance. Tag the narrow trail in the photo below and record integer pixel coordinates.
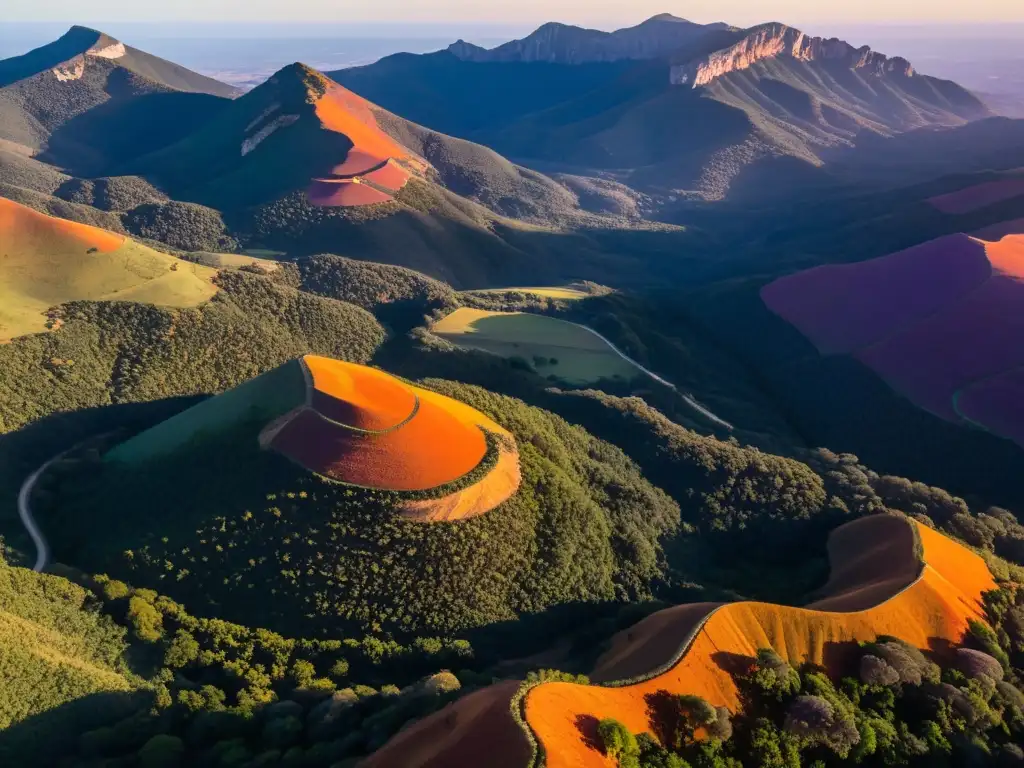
(25, 512)
(25, 505)
(690, 400)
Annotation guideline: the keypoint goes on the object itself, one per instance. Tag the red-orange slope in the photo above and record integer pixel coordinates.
(878, 587)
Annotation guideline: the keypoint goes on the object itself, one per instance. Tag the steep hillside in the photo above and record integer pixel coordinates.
(304, 166)
(53, 650)
(297, 131)
(936, 322)
(775, 93)
(300, 131)
(879, 588)
(302, 549)
(834, 399)
(88, 102)
(46, 262)
(691, 117)
(81, 47)
(360, 427)
(460, 97)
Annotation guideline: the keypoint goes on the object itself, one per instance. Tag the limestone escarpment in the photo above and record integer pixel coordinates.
(778, 40)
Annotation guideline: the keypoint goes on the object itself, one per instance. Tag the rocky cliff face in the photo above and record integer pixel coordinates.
(562, 44)
(104, 47)
(778, 40)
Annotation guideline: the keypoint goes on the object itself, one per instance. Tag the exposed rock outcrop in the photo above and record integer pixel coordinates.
(778, 40)
(105, 47)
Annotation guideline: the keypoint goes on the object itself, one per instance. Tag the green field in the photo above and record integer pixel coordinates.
(565, 292)
(261, 399)
(236, 260)
(263, 253)
(34, 279)
(553, 347)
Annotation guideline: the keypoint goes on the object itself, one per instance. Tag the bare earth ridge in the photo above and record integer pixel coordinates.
(878, 587)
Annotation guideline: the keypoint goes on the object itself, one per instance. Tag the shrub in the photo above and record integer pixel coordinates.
(908, 662)
(875, 671)
(773, 675)
(282, 732)
(183, 650)
(146, 621)
(817, 721)
(441, 683)
(978, 664)
(616, 739)
(162, 751)
(983, 635)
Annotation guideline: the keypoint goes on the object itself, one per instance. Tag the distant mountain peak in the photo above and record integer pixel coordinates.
(777, 40)
(312, 83)
(667, 17)
(558, 43)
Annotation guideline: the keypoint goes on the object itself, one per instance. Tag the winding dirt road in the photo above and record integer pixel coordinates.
(685, 395)
(25, 512)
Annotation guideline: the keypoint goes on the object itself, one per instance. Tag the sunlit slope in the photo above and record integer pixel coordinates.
(359, 426)
(54, 650)
(298, 131)
(890, 576)
(927, 612)
(46, 261)
(554, 347)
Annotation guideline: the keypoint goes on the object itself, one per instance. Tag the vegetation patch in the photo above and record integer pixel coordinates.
(47, 262)
(555, 348)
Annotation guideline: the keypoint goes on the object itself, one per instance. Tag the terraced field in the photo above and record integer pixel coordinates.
(879, 586)
(46, 261)
(557, 348)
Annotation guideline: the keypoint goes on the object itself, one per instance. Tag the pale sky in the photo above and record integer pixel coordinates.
(600, 13)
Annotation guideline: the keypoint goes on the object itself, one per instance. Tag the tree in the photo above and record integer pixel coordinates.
(909, 663)
(817, 722)
(282, 732)
(875, 671)
(162, 751)
(183, 650)
(616, 739)
(977, 664)
(773, 675)
(146, 621)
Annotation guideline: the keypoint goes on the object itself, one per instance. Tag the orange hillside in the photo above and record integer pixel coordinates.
(24, 228)
(364, 427)
(929, 612)
(46, 262)
(342, 111)
(877, 587)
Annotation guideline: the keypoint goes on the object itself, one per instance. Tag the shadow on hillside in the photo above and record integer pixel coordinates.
(588, 624)
(587, 727)
(40, 740)
(128, 126)
(23, 451)
(664, 713)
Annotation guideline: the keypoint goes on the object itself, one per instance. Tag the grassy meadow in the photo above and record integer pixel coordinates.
(557, 348)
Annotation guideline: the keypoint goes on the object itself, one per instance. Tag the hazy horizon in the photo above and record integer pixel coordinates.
(580, 12)
(985, 57)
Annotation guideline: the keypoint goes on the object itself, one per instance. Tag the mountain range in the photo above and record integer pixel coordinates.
(668, 106)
